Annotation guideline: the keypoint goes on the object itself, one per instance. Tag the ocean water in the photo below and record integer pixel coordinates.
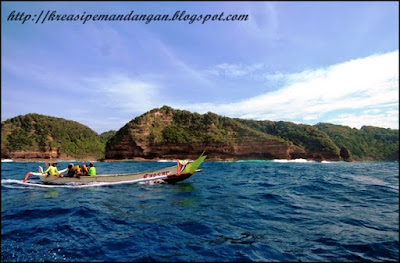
(232, 211)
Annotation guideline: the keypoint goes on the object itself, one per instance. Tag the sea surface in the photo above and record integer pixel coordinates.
(232, 211)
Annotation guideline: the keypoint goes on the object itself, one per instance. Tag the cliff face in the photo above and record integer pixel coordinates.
(127, 149)
(43, 153)
(168, 134)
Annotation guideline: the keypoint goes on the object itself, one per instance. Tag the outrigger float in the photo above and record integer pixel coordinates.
(181, 171)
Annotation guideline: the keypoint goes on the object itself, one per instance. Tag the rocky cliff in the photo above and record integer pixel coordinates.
(128, 149)
(42, 153)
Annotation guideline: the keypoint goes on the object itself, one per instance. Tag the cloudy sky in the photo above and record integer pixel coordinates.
(304, 62)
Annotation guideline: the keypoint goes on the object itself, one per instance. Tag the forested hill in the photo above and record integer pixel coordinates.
(171, 133)
(40, 136)
(367, 143)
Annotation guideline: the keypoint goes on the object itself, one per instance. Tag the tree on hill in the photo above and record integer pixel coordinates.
(105, 136)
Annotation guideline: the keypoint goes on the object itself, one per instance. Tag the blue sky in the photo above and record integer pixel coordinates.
(304, 62)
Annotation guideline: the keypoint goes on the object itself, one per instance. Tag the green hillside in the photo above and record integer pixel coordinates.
(368, 143)
(168, 125)
(36, 132)
(305, 136)
(105, 136)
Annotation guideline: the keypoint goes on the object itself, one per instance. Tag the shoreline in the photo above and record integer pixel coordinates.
(140, 159)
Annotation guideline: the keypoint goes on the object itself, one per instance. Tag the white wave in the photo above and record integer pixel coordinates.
(166, 161)
(6, 160)
(159, 181)
(10, 183)
(13, 183)
(369, 180)
(372, 181)
(250, 161)
(293, 161)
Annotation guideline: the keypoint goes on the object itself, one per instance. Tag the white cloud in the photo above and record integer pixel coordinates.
(368, 85)
(233, 70)
(126, 93)
(389, 119)
(370, 82)
(264, 23)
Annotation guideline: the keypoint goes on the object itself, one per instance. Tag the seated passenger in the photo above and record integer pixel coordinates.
(52, 170)
(48, 166)
(84, 170)
(92, 170)
(74, 171)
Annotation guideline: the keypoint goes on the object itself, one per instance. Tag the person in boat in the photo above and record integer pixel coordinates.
(74, 171)
(48, 165)
(53, 171)
(84, 170)
(92, 170)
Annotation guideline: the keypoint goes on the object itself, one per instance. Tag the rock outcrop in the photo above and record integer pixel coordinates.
(345, 154)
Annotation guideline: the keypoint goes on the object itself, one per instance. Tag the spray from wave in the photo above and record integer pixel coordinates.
(294, 161)
(18, 184)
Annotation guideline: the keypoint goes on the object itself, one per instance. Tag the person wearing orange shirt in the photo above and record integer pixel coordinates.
(74, 171)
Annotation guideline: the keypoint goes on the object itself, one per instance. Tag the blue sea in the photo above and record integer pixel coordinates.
(232, 211)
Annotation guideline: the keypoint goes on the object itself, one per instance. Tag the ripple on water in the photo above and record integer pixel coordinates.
(245, 211)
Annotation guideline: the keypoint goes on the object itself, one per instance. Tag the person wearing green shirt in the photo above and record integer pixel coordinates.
(52, 170)
(92, 170)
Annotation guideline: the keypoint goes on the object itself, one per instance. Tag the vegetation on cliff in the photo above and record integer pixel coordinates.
(35, 132)
(105, 136)
(168, 125)
(367, 143)
(305, 136)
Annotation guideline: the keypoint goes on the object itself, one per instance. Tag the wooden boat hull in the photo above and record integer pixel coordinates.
(170, 175)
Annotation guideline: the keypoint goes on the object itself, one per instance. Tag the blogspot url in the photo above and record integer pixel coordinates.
(85, 17)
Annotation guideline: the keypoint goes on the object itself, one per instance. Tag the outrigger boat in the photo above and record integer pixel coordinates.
(181, 171)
